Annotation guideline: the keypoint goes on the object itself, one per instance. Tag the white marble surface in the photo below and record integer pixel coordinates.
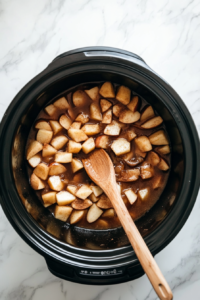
(166, 34)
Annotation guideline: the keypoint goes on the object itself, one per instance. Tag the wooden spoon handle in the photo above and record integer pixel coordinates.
(145, 257)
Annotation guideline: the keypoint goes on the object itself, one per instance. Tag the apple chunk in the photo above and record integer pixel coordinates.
(59, 141)
(163, 165)
(63, 157)
(72, 189)
(76, 125)
(49, 198)
(79, 98)
(93, 93)
(56, 169)
(62, 103)
(107, 117)
(130, 135)
(109, 213)
(41, 171)
(96, 190)
(152, 123)
(36, 182)
(48, 150)
(78, 135)
(129, 175)
(159, 138)
(50, 110)
(55, 126)
(64, 198)
(83, 118)
(105, 105)
(62, 212)
(153, 158)
(146, 171)
(35, 160)
(163, 150)
(94, 213)
(83, 192)
(65, 122)
(102, 141)
(128, 117)
(34, 148)
(121, 146)
(76, 216)
(112, 129)
(74, 147)
(55, 183)
(91, 129)
(88, 145)
(157, 183)
(123, 95)
(95, 112)
(143, 143)
(132, 197)
(144, 194)
(104, 202)
(117, 109)
(107, 90)
(147, 114)
(76, 165)
(81, 204)
(43, 125)
(44, 136)
(133, 105)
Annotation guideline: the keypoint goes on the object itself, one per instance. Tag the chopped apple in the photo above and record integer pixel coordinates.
(63, 157)
(163, 165)
(74, 147)
(50, 110)
(78, 135)
(121, 146)
(107, 90)
(144, 194)
(119, 188)
(112, 129)
(72, 113)
(48, 150)
(130, 135)
(44, 136)
(128, 117)
(153, 158)
(49, 198)
(35, 160)
(159, 138)
(62, 212)
(76, 165)
(36, 182)
(157, 182)
(55, 126)
(94, 213)
(104, 202)
(123, 95)
(41, 171)
(81, 204)
(147, 114)
(72, 189)
(152, 123)
(146, 171)
(43, 125)
(79, 98)
(76, 216)
(61, 103)
(102, 141)
(138, 152)
(95, 112)
(59, 141)
(133, 105)
(129, 175)
(117, 109)
(65, 122)
(107, 117)
(64, 198)
(76, 125)
(56, 169)
(93, 93)
(93, 197)
(143, 143)
(34, 148)
(109, 213)
(132, 197)
(163, 150)
(105, 105)
(83, 192)
(91, 129)
(55, 183)
(82, 118)
(88, 145)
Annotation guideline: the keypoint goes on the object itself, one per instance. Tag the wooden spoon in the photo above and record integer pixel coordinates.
(100, 169)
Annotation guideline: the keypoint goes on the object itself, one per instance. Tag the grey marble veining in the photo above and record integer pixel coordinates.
(166, 34)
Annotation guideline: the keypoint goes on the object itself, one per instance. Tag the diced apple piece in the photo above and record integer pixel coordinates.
(82, 118)
(94, 213)
(109, 213)
(133, 105)
(130, 135)
(79, 98)
(152, 123)
(59, 141)
(121, 146)
(157, 182)
(96, 190)
(83, 192)
(153, 158)
(44, 136)
(55, 126)
(112, 129)
(55, 183)
(48, 150)
(61, 103)
(72, 189)
(62, 212)
(50, 110)
(78, 135)
(132, 197)
(128, 117)
(102, 224)
(93, 198)
(81, 204)
(95, 112)
(102, 141)
(105, 105)
(119, 188)
(129, 175)
(76, 125)
(144, 194)
(63, 157)
(107, 90)
(76, 216)
(138, 152)
(74, 147)
(35, 160)
(91, 129)
(104, 202)
(65, 122)
(72, 113)
(64, 198)
(41, 171)
(56, 169)
(76, 165)
(147, 114)
(88, 145)
(143, 143)
(123, 95)
(36, 182)
(117, 109)
(49, 198)
(159, 138)
(93, 93)
(163, 150)
(34, 148)
(163, 165)
(107, 117)
(146, 171)
(43, 125)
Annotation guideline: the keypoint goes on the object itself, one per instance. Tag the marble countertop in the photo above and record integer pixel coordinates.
(166, 34)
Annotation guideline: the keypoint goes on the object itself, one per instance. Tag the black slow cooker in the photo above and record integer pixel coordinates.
(96, 256)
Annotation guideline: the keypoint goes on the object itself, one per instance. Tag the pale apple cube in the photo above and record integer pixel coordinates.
(123, 95)
(48, 150)
(163, 165)
(130, 135)
(83, 118)
(117, 109)
(119, 188)
(93, 197)
(128, 117)
(76, 165)
(72, 189)
(55, 126)
(64, 198)
(65, 121)
(73, 147)
(63, 157)
(91, 129)
(43, 125)
(79, 98)
(34, 148)
(93, 93)
(44, 136)
(61, 103)
(107, 117)
(121, 146)
(144, 194)
(59, 141)
(76, 216)
(62, 212)
(50, 110)
(77, 135)
(41, 171)
(109, 213)
(152, 123)
(112, 129)
(132, 197)
(35, 160)
(56, 169)
(163, 149)
(36, 182)
(105, 105)
(96, 190)
(76, 125)
(102, 141)
(94, 213)
(55, 183)
(107, 90)
(49, 198)
(88, 145)
(143, 143)
(83, 192)
(133, 105)
(95, 112)
(147, 114)
(159, 138)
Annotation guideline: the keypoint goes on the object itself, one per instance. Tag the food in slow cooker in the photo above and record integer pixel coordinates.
(105, 116)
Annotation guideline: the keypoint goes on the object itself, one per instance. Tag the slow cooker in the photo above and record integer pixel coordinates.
(96, 256)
